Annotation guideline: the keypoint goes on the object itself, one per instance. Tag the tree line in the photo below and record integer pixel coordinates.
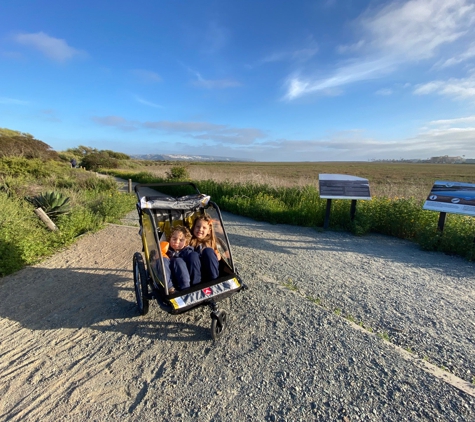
(19, 144)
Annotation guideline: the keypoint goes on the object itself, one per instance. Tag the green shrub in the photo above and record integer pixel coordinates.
(79, 221)
(178, 173)
(98, 160)
(23, 240)
(113, 205)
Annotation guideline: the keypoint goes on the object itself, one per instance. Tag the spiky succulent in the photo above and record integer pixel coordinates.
(52, 203)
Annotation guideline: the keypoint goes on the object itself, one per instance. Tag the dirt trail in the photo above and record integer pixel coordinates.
(57, 324)
(74, 348)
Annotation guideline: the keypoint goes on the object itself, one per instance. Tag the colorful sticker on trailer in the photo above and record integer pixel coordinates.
(205, 293)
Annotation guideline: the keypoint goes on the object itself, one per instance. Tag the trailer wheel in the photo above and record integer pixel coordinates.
(140, 284)
(218, 324)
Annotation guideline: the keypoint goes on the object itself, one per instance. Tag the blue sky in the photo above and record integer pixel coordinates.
(268, 80)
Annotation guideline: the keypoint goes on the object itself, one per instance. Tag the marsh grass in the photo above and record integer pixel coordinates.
(280, 193)
(392, 180)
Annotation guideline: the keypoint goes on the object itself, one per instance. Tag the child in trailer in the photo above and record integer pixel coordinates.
(206, 258)
(175, 255)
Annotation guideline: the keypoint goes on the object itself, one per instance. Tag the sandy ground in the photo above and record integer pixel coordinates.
(73, 346)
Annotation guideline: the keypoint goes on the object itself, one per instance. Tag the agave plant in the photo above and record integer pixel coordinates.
(52, 203)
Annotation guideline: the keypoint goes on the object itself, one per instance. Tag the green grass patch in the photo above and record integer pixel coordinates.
(290, 285)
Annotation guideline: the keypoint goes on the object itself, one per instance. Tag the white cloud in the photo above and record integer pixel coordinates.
(416, 28)
(357, 71)
(457, 88)
(398, 33)
(54, 48)
(453, 121)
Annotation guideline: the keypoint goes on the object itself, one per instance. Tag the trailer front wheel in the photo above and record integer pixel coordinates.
(218, 324)
(140, 284)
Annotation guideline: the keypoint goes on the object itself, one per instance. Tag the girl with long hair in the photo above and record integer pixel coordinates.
(203, 242)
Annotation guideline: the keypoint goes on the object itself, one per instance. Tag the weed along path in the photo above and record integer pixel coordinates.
(298, 346)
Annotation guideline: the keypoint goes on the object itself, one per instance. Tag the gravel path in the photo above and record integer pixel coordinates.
(74, 348)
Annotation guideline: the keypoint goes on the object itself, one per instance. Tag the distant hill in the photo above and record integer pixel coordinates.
(182, 157)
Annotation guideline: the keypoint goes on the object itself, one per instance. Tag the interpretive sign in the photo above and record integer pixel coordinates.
(452, 197)
(343, 186)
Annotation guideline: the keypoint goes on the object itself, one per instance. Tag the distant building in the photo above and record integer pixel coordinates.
(446, 160)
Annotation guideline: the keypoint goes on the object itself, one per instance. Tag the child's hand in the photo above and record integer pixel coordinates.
(218, 255)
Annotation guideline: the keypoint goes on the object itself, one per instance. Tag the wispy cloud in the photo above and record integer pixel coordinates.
(115, 121)
(415, 29)
(384, 91)
(183, 127)
(146, 76)
(457, 88)
(147, 103)
(440, 137)
(210, 132)
(54, 48)
(457, 121)
(205, 131)
(296, 55)
(213, 83)
(357, 71)
(459, 58)
(6, 100)
(216, 38)
(351, 147)
(398, 33)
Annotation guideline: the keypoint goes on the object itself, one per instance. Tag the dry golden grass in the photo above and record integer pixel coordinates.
(401, 180)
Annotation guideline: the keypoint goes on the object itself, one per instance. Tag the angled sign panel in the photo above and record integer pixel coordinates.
(453, 197)
(343, 186)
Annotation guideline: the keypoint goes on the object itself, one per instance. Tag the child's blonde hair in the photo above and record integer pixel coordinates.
(210, 239)
(183, 230)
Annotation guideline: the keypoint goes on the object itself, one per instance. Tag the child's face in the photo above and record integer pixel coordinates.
(177, 241)
(201, 229)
